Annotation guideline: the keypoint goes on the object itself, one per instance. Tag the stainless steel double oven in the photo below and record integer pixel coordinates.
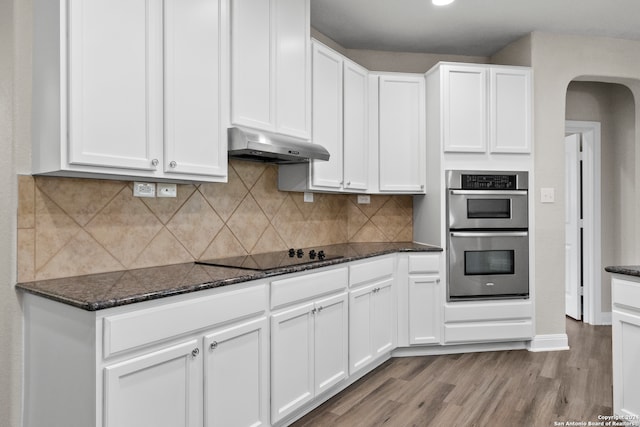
(488, 236)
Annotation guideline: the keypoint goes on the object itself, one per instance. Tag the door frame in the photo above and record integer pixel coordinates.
(591, 204)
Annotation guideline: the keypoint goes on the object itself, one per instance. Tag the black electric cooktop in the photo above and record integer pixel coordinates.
(273, 260)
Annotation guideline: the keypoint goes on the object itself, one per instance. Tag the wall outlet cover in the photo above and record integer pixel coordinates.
(308, 197)
(144, 189)
(364, 199)
(547, 195)
(167, 190)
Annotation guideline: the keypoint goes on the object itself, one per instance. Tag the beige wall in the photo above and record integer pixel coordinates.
(612, 105)
(557, 60)
(406, 62)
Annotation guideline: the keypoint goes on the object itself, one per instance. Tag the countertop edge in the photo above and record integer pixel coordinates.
(626, 270)
(96, 305)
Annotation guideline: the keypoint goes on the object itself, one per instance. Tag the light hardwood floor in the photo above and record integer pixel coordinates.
(510, 388)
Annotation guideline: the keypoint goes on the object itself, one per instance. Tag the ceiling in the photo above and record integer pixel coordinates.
(467, 27)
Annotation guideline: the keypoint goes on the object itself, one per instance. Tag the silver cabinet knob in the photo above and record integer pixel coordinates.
(155, 162)
(195, 352)
(173, 164)
(213, 345)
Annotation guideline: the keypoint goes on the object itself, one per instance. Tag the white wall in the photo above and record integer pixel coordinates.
(613, 106)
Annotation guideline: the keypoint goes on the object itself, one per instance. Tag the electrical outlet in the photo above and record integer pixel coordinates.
(364, 199)
(167, 190)
(308, 197)
(144, 189)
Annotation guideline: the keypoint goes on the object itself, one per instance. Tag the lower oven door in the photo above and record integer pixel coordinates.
(488, 265)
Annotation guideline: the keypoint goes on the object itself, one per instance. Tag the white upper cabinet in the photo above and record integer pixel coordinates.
(510, 110)
(464, 105)
(327, 116)
(402, 133)
(270, 65)
(128, 89)
(484, 109)
(355, 127)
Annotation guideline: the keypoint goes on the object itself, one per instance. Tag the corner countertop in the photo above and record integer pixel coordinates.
(627, 270)
(105, 290)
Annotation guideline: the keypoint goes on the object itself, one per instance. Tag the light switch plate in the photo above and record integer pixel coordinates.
(144, 189)
(547, 195)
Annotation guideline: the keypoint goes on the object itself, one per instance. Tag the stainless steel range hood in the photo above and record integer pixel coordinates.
(265, 147)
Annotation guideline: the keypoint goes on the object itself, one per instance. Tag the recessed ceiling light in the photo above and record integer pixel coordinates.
(441, 2)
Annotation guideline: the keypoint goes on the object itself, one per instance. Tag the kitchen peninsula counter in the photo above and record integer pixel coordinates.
(105, 290)
(627, 270)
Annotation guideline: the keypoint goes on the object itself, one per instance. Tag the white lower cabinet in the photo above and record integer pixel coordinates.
(424, 310)
(162, 389)
(236, 373)
(626, 346)
(372, 323)
(308, 352)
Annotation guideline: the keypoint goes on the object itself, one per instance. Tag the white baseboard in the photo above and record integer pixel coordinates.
(551, 342)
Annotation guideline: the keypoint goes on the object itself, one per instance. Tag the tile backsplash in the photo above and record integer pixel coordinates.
(70, 227)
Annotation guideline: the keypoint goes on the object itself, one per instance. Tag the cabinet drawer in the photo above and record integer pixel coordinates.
(626, 293)
(488, 331)
(308, 286)
(472, 312)
(424, 264)
(137, 328)
(360, 274)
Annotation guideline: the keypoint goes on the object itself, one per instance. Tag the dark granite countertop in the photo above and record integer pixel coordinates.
(105, 290)
(628, 270)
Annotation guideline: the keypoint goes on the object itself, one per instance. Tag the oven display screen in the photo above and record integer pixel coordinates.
(483, 263)
(488, 182)
(489, 208)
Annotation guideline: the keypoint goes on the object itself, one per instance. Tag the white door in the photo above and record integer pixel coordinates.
(160, 389)
(327, 116)
(292, 360)
(424, 310)
(194, 143)
(331, 341)
(115, 83)
(402, 134)
(236, 371)
(384, 318)
(360, 334)
(573, 294)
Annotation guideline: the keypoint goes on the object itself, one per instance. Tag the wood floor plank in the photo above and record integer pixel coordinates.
(507, 388)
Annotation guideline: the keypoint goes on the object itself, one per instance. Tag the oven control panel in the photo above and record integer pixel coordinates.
(489, 182)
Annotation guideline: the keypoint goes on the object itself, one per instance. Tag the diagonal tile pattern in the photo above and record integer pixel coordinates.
(71, 226)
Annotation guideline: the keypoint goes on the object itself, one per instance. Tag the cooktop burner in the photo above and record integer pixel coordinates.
(273, 260)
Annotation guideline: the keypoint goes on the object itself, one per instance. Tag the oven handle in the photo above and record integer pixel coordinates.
(489, 234)
(488, 192)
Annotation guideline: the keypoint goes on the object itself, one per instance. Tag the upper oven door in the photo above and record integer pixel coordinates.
(488, 209)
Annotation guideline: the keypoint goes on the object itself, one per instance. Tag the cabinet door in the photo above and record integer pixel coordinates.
(327, 116)
(402, 138)
(424, 310)
(355, 124)
(236, 371)
(331, 341)
(115, 83)
(160, 389)
(626, 353)
(510, 110)
(384, 318)
(360, 328)
(464, 108)
(252, 79)
(292, 360)
(194, 143)
(292, 65)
